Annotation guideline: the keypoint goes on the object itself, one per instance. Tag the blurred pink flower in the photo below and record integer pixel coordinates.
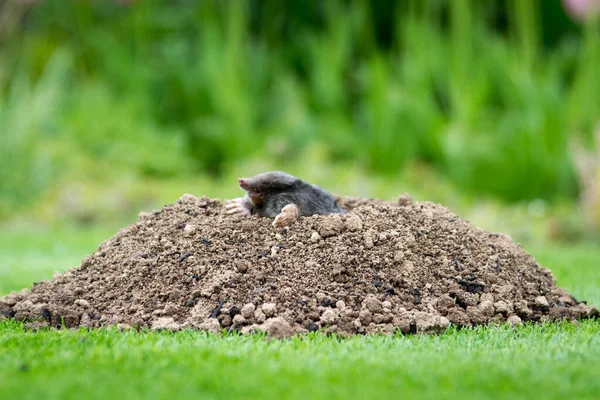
(582, 9)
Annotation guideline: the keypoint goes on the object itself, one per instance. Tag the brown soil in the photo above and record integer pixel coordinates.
(383, 267)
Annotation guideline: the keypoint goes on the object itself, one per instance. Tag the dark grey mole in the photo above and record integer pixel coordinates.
(269, 192)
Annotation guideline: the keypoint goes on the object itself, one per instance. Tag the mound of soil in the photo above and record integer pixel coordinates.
(383, 267)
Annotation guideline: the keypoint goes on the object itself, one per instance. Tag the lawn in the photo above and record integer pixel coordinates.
(549, 361)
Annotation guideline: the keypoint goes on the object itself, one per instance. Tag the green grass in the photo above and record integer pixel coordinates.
(549, 361)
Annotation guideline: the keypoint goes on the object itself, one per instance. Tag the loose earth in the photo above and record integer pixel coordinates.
(382, 268)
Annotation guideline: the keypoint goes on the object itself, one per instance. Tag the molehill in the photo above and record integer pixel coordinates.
(383, 267)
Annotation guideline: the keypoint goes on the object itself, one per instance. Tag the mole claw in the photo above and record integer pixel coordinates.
(236, 206)
(288, 215)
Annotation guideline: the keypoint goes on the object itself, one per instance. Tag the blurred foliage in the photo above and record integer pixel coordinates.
(489, 94)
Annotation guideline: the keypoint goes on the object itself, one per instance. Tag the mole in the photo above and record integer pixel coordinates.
(283, 196)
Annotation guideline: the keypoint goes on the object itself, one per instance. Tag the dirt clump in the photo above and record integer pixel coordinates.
(383, 267)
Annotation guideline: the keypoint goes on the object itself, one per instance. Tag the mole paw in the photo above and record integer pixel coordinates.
(288, 215)
(236, 206)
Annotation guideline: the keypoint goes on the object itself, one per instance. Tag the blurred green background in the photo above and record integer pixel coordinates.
(111, 107)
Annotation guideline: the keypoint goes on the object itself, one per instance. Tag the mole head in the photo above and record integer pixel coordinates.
(268, 183)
